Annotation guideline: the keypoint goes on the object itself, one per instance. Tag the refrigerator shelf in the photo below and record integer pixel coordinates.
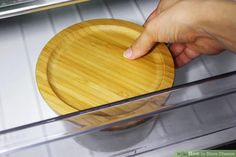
(16, 9)
(213, 88)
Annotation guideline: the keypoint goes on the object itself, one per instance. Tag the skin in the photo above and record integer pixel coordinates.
(193, 27)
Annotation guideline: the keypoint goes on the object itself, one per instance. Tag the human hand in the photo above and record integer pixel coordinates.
(184, 23)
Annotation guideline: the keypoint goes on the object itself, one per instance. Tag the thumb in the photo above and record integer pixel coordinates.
(143, 44)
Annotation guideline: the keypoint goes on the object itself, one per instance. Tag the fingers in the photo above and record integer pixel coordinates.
(206, 45)
(177, 48)
(183, 53)
(186, 56)
(145, 41)
(141, 46)
(152, 33)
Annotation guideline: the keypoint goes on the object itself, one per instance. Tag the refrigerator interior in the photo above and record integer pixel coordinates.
(22, 39)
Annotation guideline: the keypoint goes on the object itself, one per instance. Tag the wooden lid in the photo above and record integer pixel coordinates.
(83, 66)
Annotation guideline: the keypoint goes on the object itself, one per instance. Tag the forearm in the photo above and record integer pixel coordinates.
(219, 20)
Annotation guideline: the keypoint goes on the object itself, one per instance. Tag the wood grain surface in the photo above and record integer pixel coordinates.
(83, 67)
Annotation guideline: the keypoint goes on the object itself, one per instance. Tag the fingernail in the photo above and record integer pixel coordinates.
(127, 53)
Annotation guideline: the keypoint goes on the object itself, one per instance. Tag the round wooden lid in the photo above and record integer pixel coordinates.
(83, 66)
